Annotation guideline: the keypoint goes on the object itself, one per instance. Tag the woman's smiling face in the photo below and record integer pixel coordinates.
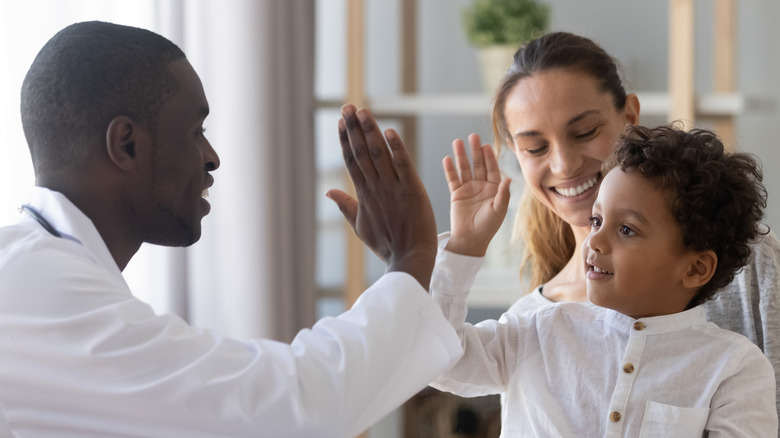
(562, 128)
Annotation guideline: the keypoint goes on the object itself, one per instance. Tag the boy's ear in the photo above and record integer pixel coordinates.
(124, 141)
(701, 269)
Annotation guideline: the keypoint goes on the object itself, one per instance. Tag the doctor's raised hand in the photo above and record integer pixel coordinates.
(479, 198)
(392, 214)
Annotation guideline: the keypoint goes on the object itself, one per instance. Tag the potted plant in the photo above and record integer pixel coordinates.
(498, 28)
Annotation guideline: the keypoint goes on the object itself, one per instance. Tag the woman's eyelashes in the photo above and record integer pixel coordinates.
(586, 135)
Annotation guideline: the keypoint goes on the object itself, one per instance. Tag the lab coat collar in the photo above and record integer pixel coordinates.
(73, 224)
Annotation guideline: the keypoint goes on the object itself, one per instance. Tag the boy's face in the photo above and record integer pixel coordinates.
(634, 257)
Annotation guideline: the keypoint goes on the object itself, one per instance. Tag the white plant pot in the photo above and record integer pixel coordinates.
(495, 61)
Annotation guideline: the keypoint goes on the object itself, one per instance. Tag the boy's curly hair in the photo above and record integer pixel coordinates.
(716, 197)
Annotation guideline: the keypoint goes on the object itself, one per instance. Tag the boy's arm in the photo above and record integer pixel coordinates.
(478, 198)
(491, 348)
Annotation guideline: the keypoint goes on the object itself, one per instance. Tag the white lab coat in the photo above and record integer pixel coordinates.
(80, 356)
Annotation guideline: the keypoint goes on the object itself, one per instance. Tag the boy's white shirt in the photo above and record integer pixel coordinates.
(566, 369)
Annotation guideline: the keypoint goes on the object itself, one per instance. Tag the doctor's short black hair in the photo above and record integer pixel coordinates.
(86, 75)
(717, 197)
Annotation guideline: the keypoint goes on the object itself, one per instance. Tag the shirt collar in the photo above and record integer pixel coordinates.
(73, 224)
(656, 324)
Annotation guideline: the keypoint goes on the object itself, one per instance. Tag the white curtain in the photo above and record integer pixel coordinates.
(252, 272)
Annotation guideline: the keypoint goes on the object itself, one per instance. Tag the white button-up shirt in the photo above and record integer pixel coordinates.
(81, 357)
(577, 370)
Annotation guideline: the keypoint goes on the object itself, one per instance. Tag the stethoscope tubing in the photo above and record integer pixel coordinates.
(40, 219)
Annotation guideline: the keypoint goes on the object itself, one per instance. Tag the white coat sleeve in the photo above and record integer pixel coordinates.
(83, 358)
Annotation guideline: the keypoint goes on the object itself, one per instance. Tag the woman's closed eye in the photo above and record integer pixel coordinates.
(535, 149)
(586, 135)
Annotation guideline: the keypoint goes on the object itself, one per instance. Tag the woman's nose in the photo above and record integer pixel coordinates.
(565, 160)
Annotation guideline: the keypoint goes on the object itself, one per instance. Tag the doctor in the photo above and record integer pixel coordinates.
(113, 118)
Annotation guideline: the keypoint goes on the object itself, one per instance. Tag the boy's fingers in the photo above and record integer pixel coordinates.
(450, 174)
(491, 164)
(461, 161)
(476, 155)
(501, 204)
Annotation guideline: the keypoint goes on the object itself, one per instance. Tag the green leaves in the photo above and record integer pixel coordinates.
(491, 22)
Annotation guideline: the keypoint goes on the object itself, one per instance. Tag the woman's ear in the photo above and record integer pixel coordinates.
(123, 139)
(701, 269)
(632, 109)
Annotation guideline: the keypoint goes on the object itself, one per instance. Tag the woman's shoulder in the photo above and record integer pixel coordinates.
(765, 256)
(753, 297)
(761, 273)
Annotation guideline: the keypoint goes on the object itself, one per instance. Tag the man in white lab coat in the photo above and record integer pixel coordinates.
(113, 118)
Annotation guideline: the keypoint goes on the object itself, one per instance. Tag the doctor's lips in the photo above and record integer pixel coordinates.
(570, 192)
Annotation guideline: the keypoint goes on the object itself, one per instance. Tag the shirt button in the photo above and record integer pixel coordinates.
(639, 325)
(614, 417)
(628, 368)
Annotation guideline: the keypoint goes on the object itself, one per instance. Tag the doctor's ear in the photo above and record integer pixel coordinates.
(123, 139)
(701, 269)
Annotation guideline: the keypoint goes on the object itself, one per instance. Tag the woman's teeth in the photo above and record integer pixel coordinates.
(600, 271)
(574, 191)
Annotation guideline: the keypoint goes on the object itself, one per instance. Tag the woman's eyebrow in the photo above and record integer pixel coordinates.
(582, 115)
(571, 121)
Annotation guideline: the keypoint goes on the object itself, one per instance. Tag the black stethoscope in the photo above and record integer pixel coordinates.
(40, 219)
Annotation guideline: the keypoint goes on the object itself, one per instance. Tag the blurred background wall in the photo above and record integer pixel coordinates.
(222, 37)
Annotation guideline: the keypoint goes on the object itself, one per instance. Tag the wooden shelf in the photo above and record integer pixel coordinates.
(652, 104)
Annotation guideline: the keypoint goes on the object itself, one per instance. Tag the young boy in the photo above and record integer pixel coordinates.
(670, 226)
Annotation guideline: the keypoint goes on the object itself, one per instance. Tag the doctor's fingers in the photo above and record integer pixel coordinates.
(355, 174)
(402, 161)
(368, 145)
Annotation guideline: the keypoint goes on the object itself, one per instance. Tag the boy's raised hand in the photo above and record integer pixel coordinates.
(478, 199)
(392, 214)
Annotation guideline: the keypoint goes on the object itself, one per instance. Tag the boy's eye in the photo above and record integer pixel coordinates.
(626, 231)
(594, 222)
